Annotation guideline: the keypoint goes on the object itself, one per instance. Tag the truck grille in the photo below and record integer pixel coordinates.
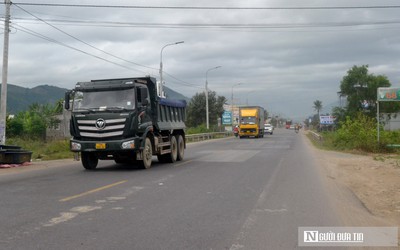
(249, 130)
(110, 128)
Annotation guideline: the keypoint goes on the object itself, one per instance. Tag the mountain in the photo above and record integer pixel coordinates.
(20, 98)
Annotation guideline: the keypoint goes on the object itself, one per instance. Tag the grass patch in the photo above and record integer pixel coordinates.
(57, 149)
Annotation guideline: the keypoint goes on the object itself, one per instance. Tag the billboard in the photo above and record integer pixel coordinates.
(227, 118)
(327, 119)
(388, 94)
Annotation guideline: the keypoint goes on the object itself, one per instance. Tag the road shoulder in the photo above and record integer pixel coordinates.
(35, 165)
(367, 186)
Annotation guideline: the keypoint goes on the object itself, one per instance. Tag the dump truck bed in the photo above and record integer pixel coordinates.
(171, 114)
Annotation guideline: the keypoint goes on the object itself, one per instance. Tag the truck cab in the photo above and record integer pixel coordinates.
(251, 121)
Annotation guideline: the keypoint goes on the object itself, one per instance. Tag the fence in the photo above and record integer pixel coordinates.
(207, 136)
(316, 136)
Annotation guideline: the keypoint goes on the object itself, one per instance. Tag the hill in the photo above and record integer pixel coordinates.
(20, 98)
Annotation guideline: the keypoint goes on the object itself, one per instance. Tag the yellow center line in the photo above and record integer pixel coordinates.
(92, 191)
(180, 164)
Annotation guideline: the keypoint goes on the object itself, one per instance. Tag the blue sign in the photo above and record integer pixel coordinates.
(227, 118)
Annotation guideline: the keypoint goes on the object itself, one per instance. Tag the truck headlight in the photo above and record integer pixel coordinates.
(75, 146)
(128, 144)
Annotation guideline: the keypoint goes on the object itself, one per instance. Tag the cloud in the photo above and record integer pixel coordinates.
(284, 58)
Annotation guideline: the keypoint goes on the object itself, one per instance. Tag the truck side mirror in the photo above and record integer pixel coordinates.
(67, 100)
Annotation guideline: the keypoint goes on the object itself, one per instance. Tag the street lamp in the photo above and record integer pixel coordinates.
(237, 84)
(159, 88)
(207, 118)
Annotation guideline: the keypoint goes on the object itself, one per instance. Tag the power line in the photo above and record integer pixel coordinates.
(212, 7)
(34, 33)
(93, 47)
(52, 40)
(213, 25)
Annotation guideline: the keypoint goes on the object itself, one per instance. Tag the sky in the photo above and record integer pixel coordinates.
(281, 55)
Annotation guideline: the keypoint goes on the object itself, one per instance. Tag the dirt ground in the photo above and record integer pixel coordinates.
(373, 179)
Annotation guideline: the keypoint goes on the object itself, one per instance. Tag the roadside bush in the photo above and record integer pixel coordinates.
(198, 130)
(359, 133)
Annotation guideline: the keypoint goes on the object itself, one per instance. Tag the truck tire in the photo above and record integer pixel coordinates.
(89, 161)
(181, 148)
(147, 154)
(171, 157)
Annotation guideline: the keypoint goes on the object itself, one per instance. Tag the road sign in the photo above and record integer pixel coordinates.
(227, 118)
(388, 94)
(327, 119)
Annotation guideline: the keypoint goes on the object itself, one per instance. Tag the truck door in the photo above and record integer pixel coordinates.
(143, 104)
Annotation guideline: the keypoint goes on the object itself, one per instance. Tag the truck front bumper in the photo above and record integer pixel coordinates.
(128, 144)
(248, 132)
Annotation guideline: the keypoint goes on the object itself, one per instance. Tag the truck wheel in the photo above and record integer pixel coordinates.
(181, 148)
(89, 161)
(147, 154)
(171, 157)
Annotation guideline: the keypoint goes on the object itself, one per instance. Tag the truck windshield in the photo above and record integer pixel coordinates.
(105, 100)
(248, 120)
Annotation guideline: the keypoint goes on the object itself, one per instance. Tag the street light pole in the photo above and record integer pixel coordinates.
(3, 110)
(237, 84)
(160, 88)
(207, 116)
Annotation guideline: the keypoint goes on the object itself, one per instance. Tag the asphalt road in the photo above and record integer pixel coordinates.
(227, 194)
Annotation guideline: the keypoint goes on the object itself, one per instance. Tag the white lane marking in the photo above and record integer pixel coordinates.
(67, 216)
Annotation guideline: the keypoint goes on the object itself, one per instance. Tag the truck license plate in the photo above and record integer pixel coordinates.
(100, 146)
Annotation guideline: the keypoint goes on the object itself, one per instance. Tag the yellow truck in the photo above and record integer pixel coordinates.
(251, 121)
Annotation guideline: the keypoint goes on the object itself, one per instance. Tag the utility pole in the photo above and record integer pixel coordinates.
(207, 115)
(3, 111)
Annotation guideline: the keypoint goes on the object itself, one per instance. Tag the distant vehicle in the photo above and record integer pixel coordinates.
(288, 124)
(251, 121)
(268, 129)
(236, 131)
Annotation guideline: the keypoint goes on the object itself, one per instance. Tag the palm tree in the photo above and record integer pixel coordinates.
(317, 106)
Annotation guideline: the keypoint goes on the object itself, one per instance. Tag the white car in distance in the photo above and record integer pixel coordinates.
(268, 129)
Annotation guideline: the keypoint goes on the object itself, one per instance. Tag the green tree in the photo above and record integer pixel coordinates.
(58, 107)
(33, 122)
(340, 114)
(360, 87)
(15, 127)
(317, 106)
(196, 111)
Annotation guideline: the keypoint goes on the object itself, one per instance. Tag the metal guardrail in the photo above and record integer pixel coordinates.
(207, 136)
(316, 136)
